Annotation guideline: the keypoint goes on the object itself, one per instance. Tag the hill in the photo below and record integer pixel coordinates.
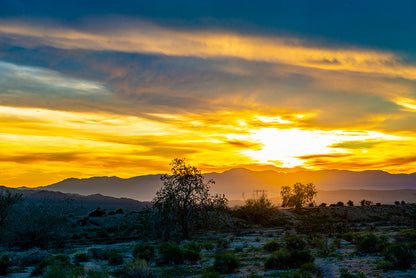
(240, 183)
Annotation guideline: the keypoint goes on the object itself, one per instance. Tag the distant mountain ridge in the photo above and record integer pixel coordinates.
(81, 202)
(239, 183)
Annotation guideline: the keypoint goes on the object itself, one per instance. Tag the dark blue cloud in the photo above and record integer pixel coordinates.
(380, 24)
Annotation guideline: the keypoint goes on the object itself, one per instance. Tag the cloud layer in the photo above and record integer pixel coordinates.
(123, 96)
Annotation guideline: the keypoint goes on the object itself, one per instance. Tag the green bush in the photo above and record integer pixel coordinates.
(144, 252)
(346, 274)
(115, 258)
(80, 258)
(284, 259)
(348, 237)
(295, 242)
(32, 257)
(138, 268)
(170, 253)
(370, 244)
(210, 273)
(225, 263)
(384, 265)
(272, 246)
(209, 246)
(323, 246)
(401, 256)
(257, 211)
(278, 260)
(57, 266)
(191, 255)
(5, 264)
(97, 274)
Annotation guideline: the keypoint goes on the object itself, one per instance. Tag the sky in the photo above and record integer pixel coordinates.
(120, 88)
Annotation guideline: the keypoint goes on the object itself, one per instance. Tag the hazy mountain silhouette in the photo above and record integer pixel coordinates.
(240, 183)
(82, 203)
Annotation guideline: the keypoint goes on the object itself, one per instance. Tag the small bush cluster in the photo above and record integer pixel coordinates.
(57, 266)
(115, 258)
(293, 255)
(272, 246)
(170, 253)
(137, 268)
(295, 242)
(80, 258)
(397, 256)
(371, 244)
(144, 251)
(346, 274)
(226, 263)
(284, 259)
(5, 264)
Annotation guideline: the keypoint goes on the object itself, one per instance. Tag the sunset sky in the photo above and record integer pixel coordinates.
(120, 88)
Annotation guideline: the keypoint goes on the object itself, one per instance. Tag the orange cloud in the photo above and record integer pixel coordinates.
(147, 38)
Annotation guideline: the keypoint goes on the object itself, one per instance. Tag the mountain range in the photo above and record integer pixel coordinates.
(239, 184)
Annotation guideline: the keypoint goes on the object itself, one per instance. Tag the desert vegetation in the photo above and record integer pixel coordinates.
(187, 232)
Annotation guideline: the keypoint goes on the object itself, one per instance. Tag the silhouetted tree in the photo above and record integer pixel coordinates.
(7, 201)
(340, 204)
(366, 203)
(297, 196)
(350, 203)
(184, 199)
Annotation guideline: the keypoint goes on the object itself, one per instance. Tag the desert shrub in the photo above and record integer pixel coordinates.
(366, 203)
(272, 246)
(58, 265)
(300, 257)
(210, 273)
(400, 255)
(32, 257)
(208, 246)
(257, 211)
(348, 237)
(408, 236)
(295, 242)
(307, 270)
(350, 203)
(323, 205)
(80, 258)
(384, 265)
(5, 264)
(223, 243)
(170, 253)
(284, 259)
(371, 244)
(144, 251)
(192, 254)
(238, 249)
(340, 204)
(115, 258)
(97, 274)
(323, 246)
(54, 271)
(137, 268)
(346, 274)
(278, 260)
(225, 263)
(42, 225)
